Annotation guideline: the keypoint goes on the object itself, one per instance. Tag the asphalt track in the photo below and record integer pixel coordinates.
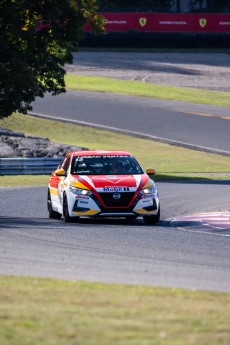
(197, 126)
(114, 251)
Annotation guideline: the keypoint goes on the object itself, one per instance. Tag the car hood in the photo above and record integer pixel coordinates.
(111, 183)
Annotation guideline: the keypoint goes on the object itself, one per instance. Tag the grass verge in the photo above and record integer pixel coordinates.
(147, 90)
(45, 311)
(42, 180)
(23, 180)
(171, 162)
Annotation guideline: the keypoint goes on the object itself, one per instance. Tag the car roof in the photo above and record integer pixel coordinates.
(101, 153)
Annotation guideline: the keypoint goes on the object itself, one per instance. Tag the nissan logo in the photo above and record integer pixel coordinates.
(116, 196)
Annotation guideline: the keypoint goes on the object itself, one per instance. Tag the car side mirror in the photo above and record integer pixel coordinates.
(150, 171)
(60, 172)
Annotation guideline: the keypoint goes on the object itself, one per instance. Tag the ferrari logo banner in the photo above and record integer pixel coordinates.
(142, 21)
(166, 22)
(202, 22)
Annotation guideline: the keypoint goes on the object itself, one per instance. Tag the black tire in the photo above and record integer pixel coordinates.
(151, 220)
(52, 214)
(66, 215)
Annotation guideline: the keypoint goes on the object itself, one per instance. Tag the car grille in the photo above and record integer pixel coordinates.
(109, 201)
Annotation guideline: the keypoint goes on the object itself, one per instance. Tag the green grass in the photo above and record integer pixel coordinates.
(23, 180)
(37, 311)
(147, 90)
(41, 180)
(170, 161)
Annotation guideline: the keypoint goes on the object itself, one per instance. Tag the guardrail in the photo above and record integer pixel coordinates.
(28, 166)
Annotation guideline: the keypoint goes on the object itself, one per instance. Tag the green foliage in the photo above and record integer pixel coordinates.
(37, 38)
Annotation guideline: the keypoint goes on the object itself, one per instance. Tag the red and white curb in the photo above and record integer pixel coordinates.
(217, 221)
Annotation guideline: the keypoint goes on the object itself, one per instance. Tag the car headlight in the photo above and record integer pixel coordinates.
(149, 190)
(79, 191)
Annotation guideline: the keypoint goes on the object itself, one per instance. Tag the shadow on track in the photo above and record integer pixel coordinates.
(24, 222)
(46, 223)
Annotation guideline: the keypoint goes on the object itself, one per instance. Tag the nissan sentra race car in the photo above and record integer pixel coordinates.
(102, 184)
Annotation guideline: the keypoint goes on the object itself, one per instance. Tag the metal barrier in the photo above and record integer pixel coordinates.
(28, 166)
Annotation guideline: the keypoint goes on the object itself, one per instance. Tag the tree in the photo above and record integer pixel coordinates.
(37, 40)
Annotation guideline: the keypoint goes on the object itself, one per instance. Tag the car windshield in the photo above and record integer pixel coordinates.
(105, 165)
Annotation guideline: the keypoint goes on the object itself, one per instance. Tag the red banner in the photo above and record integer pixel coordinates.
(167, 22)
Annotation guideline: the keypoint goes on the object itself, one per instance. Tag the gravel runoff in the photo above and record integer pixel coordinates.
(210, 71)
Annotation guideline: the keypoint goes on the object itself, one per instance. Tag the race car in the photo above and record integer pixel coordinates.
(102, 184)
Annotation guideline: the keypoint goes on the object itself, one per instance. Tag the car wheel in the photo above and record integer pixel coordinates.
(66, 215)
(52, 214)
(151, 220)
